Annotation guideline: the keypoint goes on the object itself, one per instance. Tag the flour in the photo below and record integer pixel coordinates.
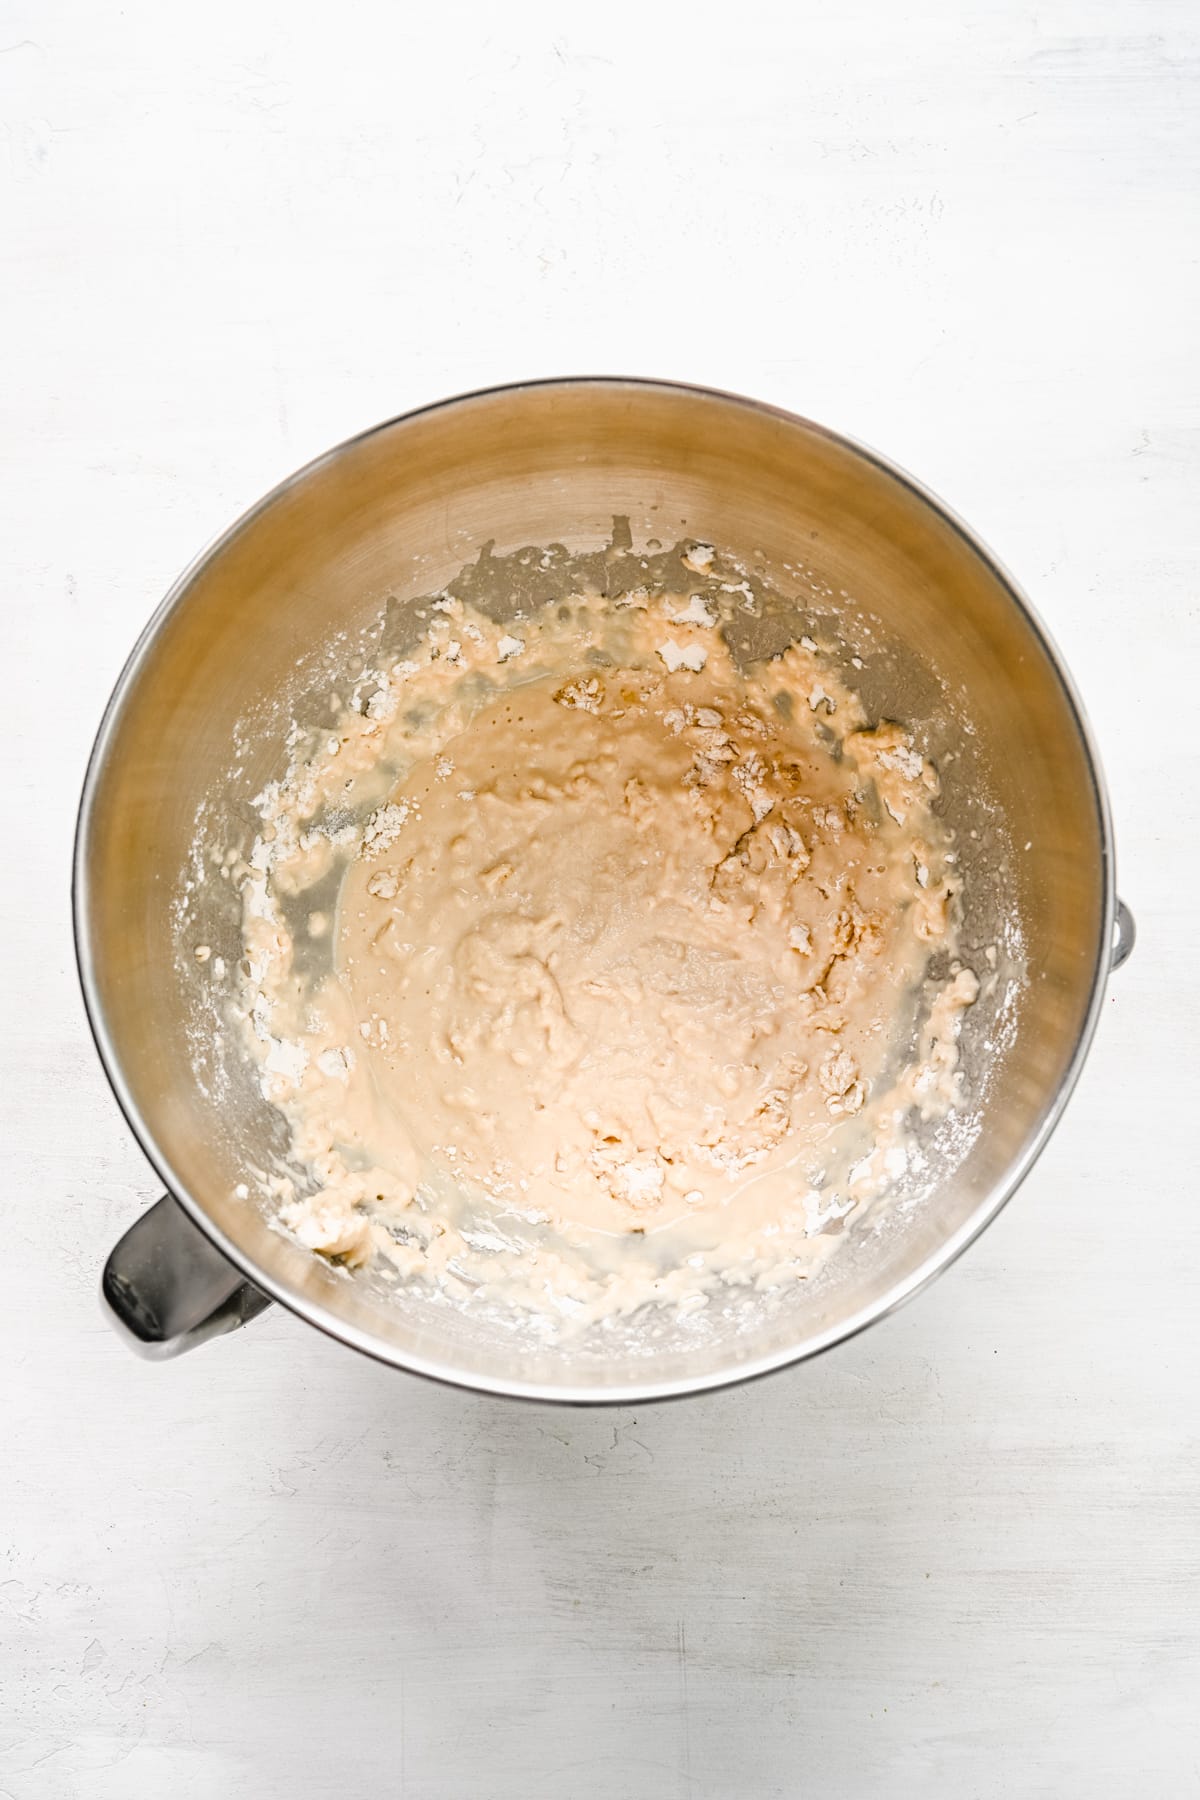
(699, 558)
(384, 827)
(682, 656)
(696, 612)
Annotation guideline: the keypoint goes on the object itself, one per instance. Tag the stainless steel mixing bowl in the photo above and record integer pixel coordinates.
(840, 543)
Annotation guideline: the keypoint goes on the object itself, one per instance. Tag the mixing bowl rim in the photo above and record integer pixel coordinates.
(638, 1391)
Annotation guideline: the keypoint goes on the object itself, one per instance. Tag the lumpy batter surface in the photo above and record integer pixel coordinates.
(625, 987)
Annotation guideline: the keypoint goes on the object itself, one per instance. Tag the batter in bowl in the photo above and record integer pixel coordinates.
(626, 987)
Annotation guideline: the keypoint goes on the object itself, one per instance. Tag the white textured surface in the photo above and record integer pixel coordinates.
(957, 1558)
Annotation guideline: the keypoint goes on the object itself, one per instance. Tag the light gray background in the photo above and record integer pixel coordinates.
(958, 1557)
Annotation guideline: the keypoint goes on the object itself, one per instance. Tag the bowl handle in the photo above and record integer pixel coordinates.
(168, 1288)
(1124, 936)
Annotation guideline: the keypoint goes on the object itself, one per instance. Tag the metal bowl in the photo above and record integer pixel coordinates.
(840, 543)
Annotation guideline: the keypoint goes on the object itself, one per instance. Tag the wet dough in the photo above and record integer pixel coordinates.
(627, 960)
(618, 955)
